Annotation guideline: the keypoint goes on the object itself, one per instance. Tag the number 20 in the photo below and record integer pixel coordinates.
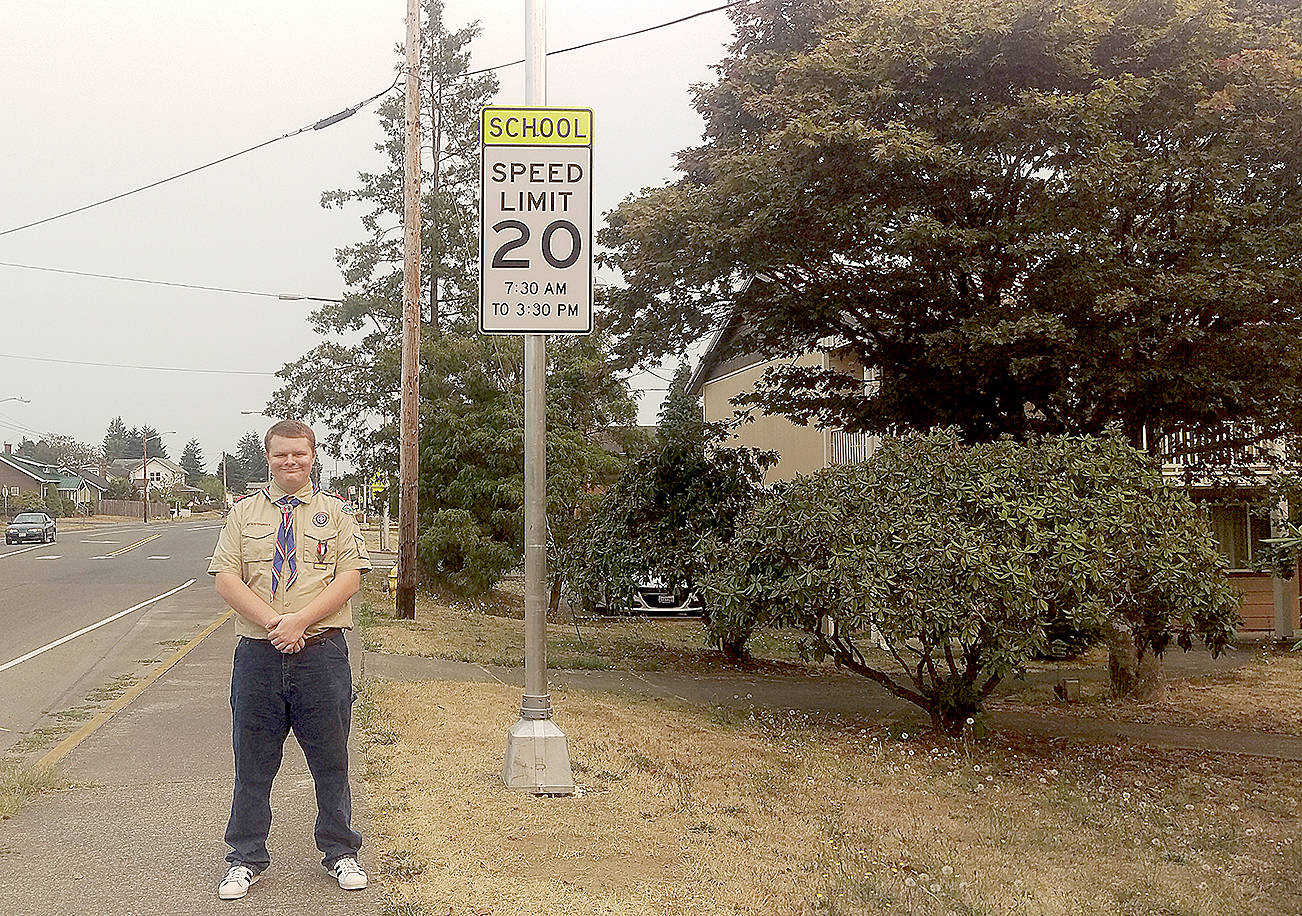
(500, 258)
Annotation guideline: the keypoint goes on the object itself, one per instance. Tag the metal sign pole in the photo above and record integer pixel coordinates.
(537, 756)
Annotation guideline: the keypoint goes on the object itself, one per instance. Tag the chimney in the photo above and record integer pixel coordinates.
(9, 448)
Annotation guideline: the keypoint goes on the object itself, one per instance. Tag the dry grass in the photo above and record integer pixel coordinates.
(489, 632)
(20, 783)
(691, 811)
(1263, 695)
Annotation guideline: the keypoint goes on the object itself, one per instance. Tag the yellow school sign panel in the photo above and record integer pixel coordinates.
(535, 265)
(536, 127)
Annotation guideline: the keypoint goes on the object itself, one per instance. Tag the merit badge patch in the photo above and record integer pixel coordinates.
(320, 519)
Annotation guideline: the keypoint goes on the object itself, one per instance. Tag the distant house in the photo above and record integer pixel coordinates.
(162, 473)
(84, 487)
(729, 368)
(22, 475)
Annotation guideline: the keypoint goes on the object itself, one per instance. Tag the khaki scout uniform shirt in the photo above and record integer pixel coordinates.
(328, 543)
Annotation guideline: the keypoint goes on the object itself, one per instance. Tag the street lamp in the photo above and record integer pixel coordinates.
(15, 398)
(144, 463)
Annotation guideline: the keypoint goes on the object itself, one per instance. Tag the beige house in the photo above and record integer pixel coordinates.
(723, 374)
(726, 370)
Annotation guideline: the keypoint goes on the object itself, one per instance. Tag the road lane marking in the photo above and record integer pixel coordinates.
(50, 556)
(101, 542)
(64, 747)
(94, 626)
(162, 557)
(143, 540)
(209, 528)
(15, 553)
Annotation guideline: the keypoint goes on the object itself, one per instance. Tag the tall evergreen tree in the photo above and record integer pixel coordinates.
(347, 384)
(116, 441)
(192, 462)
(232, 468)
(471, 487)
(145, 441)
(253, 455)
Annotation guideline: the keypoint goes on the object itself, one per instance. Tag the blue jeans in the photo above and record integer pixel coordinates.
(311, 692)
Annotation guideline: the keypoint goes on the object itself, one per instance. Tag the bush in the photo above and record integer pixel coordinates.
(964, 557)
(53, 505)
(454, 553)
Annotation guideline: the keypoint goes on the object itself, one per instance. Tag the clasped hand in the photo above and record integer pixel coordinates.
(286, 633)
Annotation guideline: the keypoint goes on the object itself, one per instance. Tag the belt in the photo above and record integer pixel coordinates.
(322, 636)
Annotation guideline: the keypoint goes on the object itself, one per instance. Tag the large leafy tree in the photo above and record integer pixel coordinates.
(60, 450)
(472, 452)
(673, 498)
(1030, 215)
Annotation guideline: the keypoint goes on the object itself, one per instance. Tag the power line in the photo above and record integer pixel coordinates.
(599, 41)
(77, 362)
(318, 125)
(214, 289)
(349, 112)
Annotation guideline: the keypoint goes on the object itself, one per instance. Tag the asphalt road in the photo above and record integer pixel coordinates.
(152, 579)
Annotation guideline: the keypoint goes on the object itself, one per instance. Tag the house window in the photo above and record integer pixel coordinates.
(155, 475)
(1238, 532)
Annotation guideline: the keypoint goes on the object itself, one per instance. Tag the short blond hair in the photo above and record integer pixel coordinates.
(290, 429)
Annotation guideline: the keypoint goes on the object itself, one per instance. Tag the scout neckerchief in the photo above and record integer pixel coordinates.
(286, 547)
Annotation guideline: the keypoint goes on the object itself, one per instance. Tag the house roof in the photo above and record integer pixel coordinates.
(75, 480)
(729, 349)
(92, 478)
(167, 463)
(71, 483)
(127, 467)
(45, 473)
(121, 467)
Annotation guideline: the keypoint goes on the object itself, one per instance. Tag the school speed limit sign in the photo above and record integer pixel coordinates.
(535, 262)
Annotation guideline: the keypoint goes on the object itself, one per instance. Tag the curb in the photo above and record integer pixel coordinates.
(66, 746)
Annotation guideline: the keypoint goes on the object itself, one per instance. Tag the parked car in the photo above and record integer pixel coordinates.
(653, 598)
(30, 526)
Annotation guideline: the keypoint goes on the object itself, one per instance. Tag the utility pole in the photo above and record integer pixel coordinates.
(436, 128)
(409, 453)
(144, 473)
(537, 755)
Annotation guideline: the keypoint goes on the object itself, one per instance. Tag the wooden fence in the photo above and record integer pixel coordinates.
(132, 508)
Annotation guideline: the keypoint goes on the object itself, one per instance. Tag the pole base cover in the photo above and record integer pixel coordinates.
(538, 758)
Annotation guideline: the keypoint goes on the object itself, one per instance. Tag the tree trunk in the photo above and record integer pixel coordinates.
(1130, 675)
(554, 600)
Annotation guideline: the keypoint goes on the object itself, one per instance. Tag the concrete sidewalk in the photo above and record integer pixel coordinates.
(141, 833)
(839, 692)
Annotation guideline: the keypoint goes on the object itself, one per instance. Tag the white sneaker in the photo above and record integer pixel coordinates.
(349, 874)
(237, 882)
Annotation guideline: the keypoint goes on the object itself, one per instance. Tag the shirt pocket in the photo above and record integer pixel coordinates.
(257, 548)
(319, 547)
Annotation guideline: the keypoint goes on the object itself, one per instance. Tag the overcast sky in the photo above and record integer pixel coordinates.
(102, 96)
